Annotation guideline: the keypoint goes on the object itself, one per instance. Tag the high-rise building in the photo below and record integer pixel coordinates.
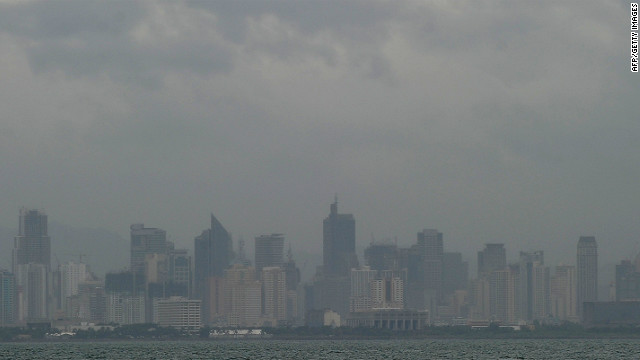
(563, 293)
(332, 285)
(274, 296)
(145, 241)
(492, 257)
(33, 244)
(179, 272)
(587, 267)
(360, 299)
(269, 251)
(628, 280)
(339, 243)
(527, 283)
(8, 298)
(455, 273)
(381, 256)
(502, 295)
(430, 246)
(71, 275)
(541, 292)
(212, 251)
(33, 295)
(242, 297)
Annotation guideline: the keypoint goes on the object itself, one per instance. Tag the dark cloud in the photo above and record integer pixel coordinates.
(491, 121)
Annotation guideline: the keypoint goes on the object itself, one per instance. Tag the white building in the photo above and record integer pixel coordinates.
(71, 275)
(177, 312)
(360, 299)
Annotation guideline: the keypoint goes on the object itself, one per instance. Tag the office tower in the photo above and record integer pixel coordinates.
(563, 293)
(528, 283)
(332, 293)
(430, 246)
(179, 272)
(213, 252)
(8, 298)
(121, 282)
(269, 251)
(541, 292)
(71, 276)
(33, 280)
(332, 284)
(502, 295)
(480, 299)
(241, 256)
(274, 294)
(455, 273)
(492, 257)
(292, 272)
(339, 243)
(587, 271)
(145, 241)
(294, 296)
(33, 244)
(381, 256)
(242, 297)
(627, 281)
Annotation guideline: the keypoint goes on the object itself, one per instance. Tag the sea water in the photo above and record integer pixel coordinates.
(340, 349)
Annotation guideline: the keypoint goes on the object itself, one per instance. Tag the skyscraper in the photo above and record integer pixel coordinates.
(274, 294)
(269, 251)
(339, 243)
(455, 273)
(71, 276)
(430, 245)
(33, 280)
(33, 244)
(212, 258)
(563, 293)
(531, 282)
(145, 241)
(587, 271)
(492, 257)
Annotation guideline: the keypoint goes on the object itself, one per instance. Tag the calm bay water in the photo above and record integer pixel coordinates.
(309, 350)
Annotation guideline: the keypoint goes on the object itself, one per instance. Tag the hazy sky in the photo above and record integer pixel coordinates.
(492, 121)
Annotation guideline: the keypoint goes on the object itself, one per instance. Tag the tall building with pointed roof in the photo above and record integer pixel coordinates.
(212, 250)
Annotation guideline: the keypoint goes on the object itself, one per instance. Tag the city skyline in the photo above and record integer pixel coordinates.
(407, 281)
(468, 252)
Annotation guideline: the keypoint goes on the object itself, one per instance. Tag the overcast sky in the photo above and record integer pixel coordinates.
(492, 121)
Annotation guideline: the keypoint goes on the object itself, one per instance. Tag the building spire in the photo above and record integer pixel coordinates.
(334, 206)
(289, 254)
